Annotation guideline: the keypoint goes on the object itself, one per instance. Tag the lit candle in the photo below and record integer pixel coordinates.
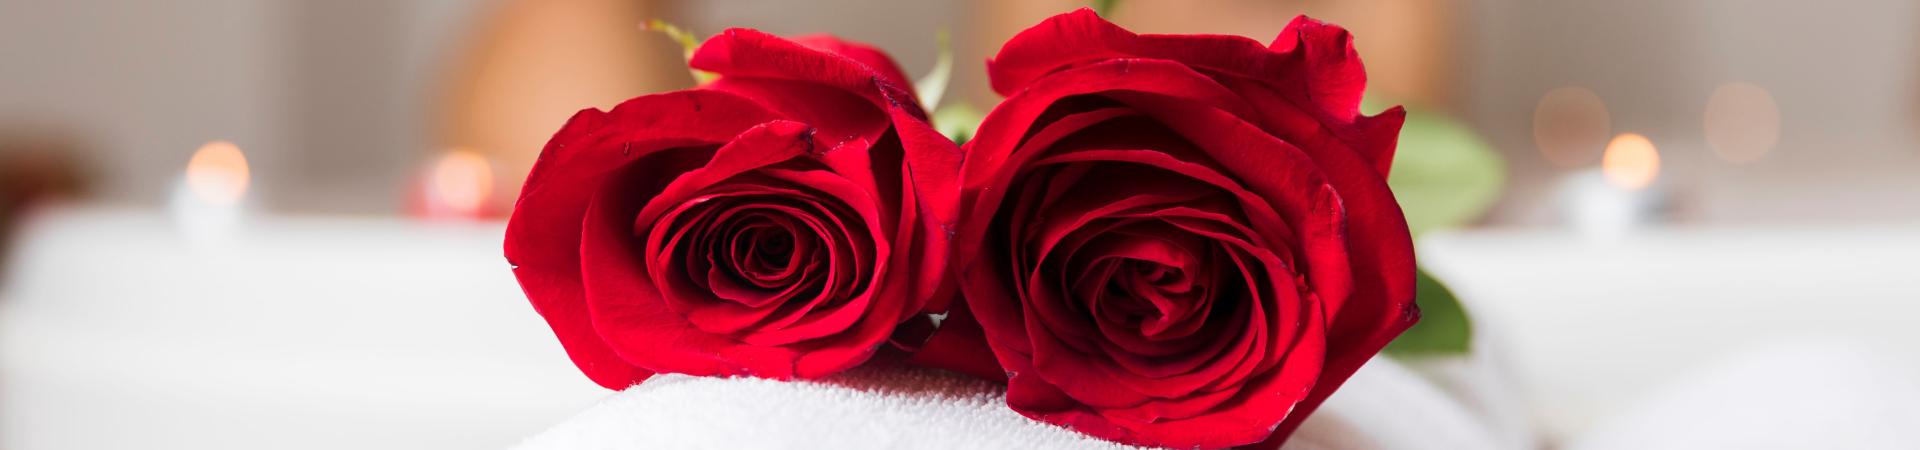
(209, 199)
(1622, 194)
(456, 186)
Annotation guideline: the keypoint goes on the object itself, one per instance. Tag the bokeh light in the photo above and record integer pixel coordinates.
(460, 183)
(1742, 122)
(1571, 125)
(1631, 161)
(218, 173)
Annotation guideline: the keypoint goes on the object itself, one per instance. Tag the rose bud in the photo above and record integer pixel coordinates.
(1178, 240)
(778, 222)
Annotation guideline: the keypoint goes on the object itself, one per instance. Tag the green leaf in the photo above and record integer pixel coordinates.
(1104, 7)
(957, 121)
(688, 43)
(1444, 175)
(1444, 328)
(933, 85)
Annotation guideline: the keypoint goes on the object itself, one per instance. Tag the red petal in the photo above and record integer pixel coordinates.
(1311, 62)
(628, 307)
(748, 53)
(960, 346)
(1284, 175)
(1000, 140)
(543, 236)
(873, 58)
(630, 311)
(1082, 37)
(841, 116)
(933, 177)
(1335, 79)
(761, 146)
(1351, 151)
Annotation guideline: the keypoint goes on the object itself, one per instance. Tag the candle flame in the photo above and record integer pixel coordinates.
(1630, 161)
(218, 173)
(460, 183)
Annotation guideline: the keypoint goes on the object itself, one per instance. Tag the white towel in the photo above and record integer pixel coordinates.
(1384, 406)
(1816, 392)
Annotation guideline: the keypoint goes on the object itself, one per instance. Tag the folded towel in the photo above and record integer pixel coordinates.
(887, 406)
(1384, 406)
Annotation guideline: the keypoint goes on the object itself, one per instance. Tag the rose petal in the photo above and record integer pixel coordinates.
(932, 181)
(870, 256)
(629, 310)
(1004, 128)
(873, 58)
(730, 318)
(842, 117)
(1262, 212)
(748, 53)
(631, 314)
(1286, 176)
(1246, 419)
(1000, 139)
(1287, 131)
(543, 236)
(1313, 60)
(1082, 37)
(1334, 82)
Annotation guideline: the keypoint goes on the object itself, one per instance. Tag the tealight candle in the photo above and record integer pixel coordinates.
(1622, 194)
(457, 186)
(209, 199)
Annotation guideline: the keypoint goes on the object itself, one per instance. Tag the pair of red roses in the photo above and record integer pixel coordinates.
(1178, 240)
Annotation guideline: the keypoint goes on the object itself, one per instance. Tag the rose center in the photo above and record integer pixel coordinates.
(1153, 296)
(774, 248)
(761, 251)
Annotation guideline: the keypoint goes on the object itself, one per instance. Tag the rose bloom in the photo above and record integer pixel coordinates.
(1180, 240)
(778, 222)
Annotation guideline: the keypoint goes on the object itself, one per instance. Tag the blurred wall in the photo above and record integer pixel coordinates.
(1841, 73)
(525, 66)
(144, 83)
(326, 97)
(338, 103)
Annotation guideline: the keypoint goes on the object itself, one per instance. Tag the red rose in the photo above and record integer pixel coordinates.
(1179, 240)
(778, 222)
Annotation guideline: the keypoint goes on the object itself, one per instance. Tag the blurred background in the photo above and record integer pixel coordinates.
(230, 222)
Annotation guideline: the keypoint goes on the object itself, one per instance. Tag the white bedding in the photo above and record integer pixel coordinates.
(1806, 394)
(322, 333)
(1384, 406)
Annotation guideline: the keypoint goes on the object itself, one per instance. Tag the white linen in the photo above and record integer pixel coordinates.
(293, 333)
(330, 332)
(1384, 406)
(1591, 325)
(1809, 393)
(868, 408)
